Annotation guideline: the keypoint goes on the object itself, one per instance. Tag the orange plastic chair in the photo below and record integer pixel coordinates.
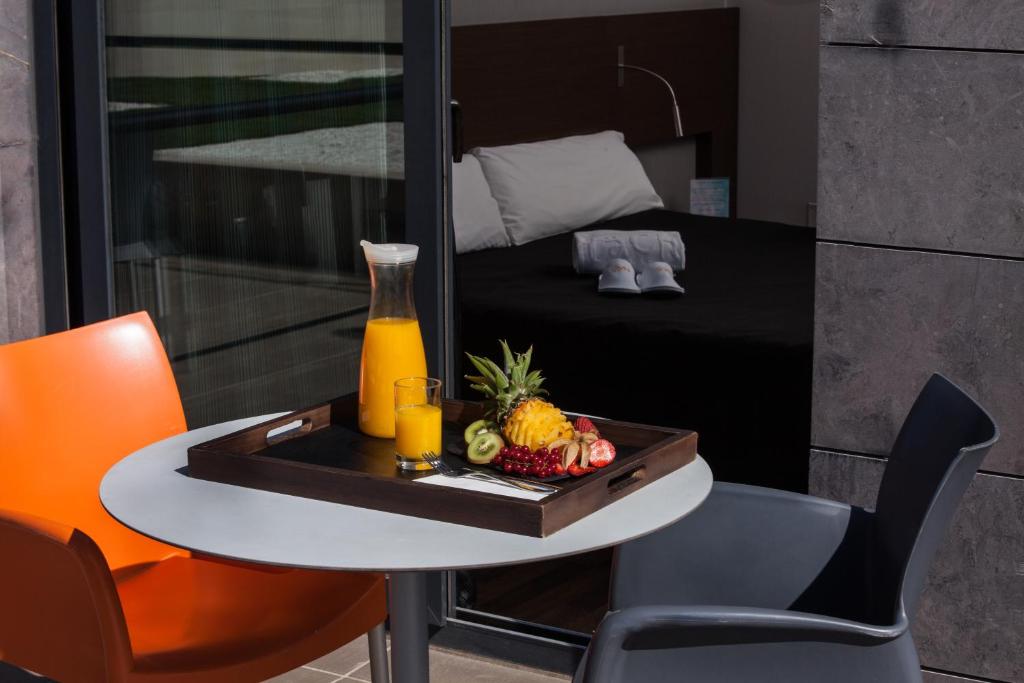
(85, 598)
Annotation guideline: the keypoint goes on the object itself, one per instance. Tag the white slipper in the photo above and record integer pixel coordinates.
(618, 277)
(658, 278)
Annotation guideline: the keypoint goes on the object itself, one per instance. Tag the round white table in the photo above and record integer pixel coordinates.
(151, 492)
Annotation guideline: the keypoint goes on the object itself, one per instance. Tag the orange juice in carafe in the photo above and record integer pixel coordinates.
(392, 349)
(392, 344)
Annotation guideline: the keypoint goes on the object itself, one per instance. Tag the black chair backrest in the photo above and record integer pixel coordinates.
(939, 448)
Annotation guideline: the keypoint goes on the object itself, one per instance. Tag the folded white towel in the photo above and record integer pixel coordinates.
(593, 250)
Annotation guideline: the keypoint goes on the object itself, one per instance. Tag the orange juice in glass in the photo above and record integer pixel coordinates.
(392, 344)
(417, 406)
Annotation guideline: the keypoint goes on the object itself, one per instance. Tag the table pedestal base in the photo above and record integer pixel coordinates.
(407, 608)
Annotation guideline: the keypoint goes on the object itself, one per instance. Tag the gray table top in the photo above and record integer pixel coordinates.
(146, 492)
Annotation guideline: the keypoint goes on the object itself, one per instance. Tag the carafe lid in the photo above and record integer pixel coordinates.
(389, 253)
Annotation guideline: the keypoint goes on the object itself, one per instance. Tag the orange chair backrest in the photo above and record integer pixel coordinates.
(71, 405)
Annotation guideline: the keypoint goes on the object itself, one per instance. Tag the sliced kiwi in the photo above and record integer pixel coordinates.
(479, 427)
(484, 447)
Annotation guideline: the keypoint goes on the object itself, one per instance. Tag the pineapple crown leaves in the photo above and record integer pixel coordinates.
(506, 386)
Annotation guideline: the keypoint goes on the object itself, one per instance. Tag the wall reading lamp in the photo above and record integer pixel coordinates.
(671, 91)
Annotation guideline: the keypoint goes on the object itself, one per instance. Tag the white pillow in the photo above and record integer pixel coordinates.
(474, 212)
(546, 188)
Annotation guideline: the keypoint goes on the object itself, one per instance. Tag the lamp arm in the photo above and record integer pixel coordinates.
(671, 91)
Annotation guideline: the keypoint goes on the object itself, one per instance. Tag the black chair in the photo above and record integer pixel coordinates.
(766, 585)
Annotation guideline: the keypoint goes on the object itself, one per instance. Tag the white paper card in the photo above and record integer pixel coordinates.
(481, 486)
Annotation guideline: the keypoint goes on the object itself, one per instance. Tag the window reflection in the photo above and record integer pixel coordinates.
(252, 145)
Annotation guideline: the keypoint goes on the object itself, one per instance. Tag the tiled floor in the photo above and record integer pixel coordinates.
(351, 663)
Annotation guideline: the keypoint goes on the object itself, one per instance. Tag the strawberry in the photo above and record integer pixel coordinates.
(584, 425)
(577, 471)
(602, 452)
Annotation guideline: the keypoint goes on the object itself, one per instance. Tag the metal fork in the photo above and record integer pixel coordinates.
(443, 468)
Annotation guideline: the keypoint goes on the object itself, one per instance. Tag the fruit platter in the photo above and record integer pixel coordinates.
(524, 435)
(517, 431)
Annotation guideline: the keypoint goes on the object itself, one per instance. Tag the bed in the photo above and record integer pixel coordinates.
(731, 358)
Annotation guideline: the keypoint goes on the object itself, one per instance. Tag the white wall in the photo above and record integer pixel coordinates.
(778, 85)
(669, 166)
(778, 111)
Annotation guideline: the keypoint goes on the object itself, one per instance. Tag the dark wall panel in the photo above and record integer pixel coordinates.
(982, 24)
(922, 148)
(885, 320)
(20, 293)
(920, 269)
(852, 479)
(970, 616)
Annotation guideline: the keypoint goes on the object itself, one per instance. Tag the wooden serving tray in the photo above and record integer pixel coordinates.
(326, 457)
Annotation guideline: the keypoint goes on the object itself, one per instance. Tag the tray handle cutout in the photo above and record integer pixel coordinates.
(284, 432)
(620, 484)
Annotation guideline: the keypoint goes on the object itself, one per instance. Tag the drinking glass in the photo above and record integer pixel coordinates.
(417, 421)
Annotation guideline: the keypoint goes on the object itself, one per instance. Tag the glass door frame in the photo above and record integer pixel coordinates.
(75, 218)
(74, 174)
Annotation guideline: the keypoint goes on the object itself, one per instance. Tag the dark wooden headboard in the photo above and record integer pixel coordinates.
(534, 80)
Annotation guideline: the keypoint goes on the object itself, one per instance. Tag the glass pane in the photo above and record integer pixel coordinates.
(253, 143)
(698, 125)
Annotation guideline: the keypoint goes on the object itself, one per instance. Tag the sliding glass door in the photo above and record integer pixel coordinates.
(250, 146)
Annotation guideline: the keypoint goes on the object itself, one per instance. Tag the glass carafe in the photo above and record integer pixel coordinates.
(392, 344)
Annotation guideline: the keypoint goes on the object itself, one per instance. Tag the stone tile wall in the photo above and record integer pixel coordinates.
(921, 270)
(20, 274)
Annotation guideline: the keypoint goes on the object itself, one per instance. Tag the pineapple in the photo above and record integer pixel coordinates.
(513, 394)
